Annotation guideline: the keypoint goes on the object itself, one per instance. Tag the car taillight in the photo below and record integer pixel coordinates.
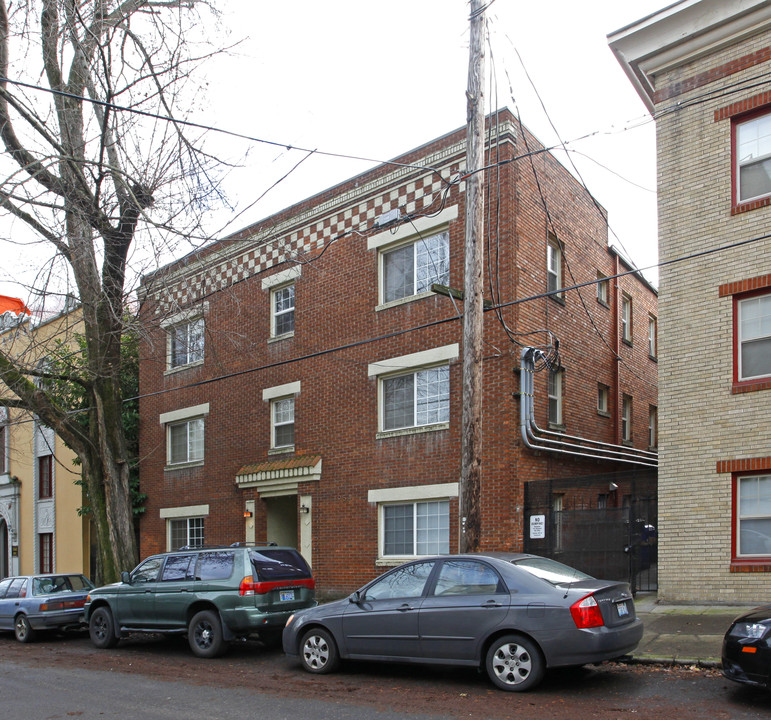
(249, 587)
(62, 605)
(586, 613)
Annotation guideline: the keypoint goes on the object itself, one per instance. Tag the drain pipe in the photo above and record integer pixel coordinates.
(536, 438)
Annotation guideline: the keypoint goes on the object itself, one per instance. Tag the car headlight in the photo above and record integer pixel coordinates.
(750, 630)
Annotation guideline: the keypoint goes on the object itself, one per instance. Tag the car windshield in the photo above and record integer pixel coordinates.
(550, 570)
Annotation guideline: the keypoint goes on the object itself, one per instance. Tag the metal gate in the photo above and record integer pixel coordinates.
(603, 524)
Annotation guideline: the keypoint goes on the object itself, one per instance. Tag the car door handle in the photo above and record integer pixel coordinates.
(405, 608)
(492, 604)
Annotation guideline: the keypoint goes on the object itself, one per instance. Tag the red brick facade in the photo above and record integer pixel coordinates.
(329, 247)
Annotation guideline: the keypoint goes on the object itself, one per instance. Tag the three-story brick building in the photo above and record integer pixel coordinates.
(301, 381)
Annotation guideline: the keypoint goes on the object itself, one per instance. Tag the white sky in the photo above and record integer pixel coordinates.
(375, 79)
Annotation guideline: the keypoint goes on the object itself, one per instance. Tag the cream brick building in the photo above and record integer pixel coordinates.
(702, 68)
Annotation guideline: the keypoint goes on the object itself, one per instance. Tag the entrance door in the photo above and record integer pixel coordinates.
(3, 549)
(282, 520)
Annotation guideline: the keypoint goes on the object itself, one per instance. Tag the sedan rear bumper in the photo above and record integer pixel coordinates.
(64, 618)
(593, 645)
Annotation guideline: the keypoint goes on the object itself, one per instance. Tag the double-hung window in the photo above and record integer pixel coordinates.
(185, 435)
(186, 343)
(45, 478)
(416, 399)
(753, 337)
(752, 150)
(626, 318)
(652, 336)
(626, 419)
(653, 426)
(753, 516)
(603, 285)
(282, 415)
(282, 306)
(555, 397)
(554, 267)
(414, 390)
(411, 269)
(186, 532)
(603, 399)
(282, 286)
(3, 439)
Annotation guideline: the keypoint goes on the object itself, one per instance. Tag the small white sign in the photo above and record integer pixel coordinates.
(537, 527)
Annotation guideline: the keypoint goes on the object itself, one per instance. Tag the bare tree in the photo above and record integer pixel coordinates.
(92, 169)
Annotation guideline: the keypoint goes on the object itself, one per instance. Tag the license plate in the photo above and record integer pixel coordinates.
(623, 609)
(287, 595)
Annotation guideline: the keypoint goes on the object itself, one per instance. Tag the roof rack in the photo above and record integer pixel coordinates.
(266, 543)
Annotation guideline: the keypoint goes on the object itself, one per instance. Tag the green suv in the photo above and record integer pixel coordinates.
(213, 594)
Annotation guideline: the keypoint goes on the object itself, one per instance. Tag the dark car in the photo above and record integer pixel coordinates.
(747, 648)
(515, 615)
(53, 601)
(213, 595)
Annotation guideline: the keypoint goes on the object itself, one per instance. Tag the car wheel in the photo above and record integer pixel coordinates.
(515, 663)
(101, 628)
(205, 634)
(23, 630)
(318, 652)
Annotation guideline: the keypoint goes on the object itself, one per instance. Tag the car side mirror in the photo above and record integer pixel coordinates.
(125, 578)
(356, 598)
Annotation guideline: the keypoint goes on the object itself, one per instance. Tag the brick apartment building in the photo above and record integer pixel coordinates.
(702, 69)
(301, 382)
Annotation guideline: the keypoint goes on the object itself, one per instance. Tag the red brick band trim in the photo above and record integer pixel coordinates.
(750, 567)
(747, 206)
(745, 465)
(748, 285)
(743, 106)
(747, 387)
(709, 76)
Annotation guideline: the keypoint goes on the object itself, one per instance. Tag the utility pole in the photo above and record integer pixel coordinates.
(471, 444)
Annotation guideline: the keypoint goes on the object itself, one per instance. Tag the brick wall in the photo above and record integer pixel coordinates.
(339, 333)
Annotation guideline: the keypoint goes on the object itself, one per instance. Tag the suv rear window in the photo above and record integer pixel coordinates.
(215, 565)
(278, 564)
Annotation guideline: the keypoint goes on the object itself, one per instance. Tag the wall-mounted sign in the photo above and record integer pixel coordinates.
(14, 551)
(537, 527)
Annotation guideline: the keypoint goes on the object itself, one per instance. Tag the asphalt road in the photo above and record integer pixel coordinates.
(156, 679)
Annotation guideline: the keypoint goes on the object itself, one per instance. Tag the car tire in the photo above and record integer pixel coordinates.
(515, 663)
(22, 629)
(318, 652)
(101, 629)
(204, 634)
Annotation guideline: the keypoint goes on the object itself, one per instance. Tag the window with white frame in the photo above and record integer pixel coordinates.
(626, 318)
(626, 419)
(603, 399)
(555, 397)
(653, 426)
(185, 434)
(603, 285)
(652, 336)
(752, 149)
(282, 411)
(754, 337)
(413, 521)
(3, 440)
(186, 343)
(282, 306)
(412, 268)
(282, 414)
(753, 516)
(414, 390)
(186, 532)
(417, 398)
(553, 266)
(281, 286)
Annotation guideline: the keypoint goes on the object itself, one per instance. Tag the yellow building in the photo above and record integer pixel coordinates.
(40, 527)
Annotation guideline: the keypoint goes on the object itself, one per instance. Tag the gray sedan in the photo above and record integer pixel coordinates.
(29, 603)
(514, 615)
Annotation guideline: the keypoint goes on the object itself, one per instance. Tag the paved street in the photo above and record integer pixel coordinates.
(154, 679)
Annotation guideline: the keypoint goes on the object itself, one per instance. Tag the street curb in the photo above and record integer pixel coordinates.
(671, 661)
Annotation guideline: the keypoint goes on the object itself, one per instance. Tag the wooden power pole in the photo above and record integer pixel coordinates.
(471, 445)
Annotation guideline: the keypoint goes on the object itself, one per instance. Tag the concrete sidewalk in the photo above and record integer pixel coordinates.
(683, 634)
